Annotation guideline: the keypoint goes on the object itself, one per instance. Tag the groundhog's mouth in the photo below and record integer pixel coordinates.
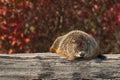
(82, 54)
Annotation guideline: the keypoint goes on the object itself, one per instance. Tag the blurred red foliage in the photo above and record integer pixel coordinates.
(32, 25)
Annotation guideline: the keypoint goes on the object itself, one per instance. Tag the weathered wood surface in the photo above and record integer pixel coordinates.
(49, 66)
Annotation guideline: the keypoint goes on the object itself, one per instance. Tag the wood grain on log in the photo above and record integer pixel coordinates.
(50, 66)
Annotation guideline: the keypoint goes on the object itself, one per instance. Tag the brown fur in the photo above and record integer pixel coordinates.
(71, 45)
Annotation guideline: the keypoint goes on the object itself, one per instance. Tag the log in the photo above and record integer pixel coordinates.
(50, 66)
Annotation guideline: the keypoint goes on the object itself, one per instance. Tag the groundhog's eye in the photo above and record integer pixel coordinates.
(82, 45)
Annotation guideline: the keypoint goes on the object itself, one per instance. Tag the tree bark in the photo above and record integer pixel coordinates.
(50, 66)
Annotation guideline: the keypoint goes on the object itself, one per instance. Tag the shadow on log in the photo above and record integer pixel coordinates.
(50, 66)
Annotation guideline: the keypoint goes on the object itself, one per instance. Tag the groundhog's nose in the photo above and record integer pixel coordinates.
(82, 53)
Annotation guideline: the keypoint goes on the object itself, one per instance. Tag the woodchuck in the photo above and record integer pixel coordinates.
(76, 44)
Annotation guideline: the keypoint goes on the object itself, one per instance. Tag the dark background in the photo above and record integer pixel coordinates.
(30, 26)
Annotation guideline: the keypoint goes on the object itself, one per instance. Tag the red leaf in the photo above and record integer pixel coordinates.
(3, 37)
(3, 10)
(27, 40)
(118, 18)
(10, 51)
(12, 24)
(4, 27)
(22, 35)
(10, 37)
(95, 6)
(18, 43)
(13, 43)
(111, 9)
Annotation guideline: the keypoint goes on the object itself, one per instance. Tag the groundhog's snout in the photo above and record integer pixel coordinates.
(81, 54)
